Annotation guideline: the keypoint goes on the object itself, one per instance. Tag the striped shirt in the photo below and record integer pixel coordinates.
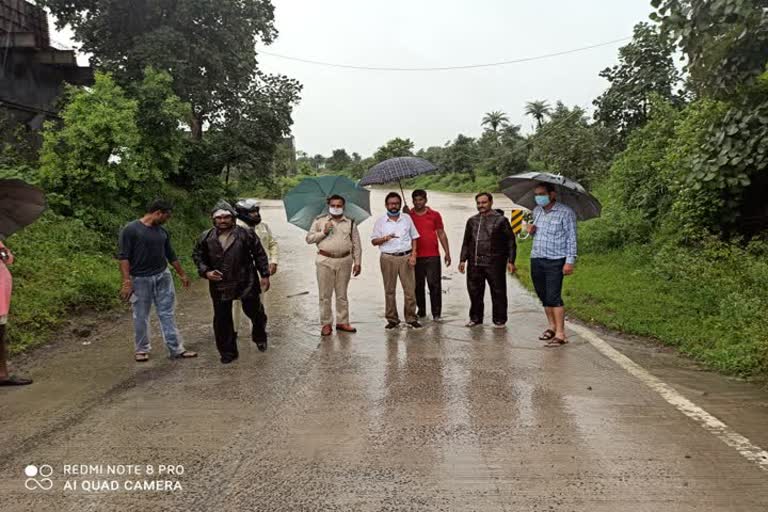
(555, 235)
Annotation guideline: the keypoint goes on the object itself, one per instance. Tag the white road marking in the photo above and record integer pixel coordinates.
(707, 421)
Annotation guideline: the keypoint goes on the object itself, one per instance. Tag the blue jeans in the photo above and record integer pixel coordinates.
(157, 289)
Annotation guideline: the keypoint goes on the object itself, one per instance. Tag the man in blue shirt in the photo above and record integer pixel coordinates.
(552, 257)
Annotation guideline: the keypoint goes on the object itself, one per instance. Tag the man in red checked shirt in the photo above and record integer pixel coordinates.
(429, 224)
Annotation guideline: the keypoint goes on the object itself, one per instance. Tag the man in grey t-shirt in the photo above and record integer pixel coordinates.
(145, 251)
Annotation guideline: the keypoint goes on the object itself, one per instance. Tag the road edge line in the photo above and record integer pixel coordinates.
(707, 421)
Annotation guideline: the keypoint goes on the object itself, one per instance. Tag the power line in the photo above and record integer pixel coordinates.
(445, 68)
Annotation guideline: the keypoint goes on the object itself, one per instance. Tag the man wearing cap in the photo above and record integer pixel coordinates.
(232, 258)
(249, 217)
(338, 258)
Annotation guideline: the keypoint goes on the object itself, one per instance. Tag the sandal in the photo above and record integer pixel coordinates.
(556, 342)
(187, 354)
(13, 380)
(547, 335)
(141, 357)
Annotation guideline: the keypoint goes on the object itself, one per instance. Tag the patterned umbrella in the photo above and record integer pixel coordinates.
(20, 205)
(396, 169)
(519, 188)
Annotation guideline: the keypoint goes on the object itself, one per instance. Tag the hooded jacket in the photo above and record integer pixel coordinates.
(241, 264)
(488, 240)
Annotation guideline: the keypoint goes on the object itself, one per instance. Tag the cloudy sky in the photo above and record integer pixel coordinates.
(360, 110)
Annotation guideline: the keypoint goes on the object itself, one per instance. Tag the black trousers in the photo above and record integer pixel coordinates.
(496, 277)
(429, 272)
(224, 327)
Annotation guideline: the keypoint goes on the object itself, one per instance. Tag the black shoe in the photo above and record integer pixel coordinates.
(227, 359)
(262, 345)
(392, 325)
(415, 324)
(421, 315)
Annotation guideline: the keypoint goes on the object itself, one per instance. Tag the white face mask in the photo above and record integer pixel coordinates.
(336, 211)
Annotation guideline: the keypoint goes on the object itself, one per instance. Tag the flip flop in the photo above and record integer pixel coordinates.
(187, 354)
(547, 335)
(141, 357)
(556, 342)
(13, 380)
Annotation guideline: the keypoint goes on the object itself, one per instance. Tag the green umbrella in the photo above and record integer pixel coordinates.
(308, 200)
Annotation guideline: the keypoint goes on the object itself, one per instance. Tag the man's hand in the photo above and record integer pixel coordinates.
(462, 267)
(185, 281)
(272, 269)
(391, 236)
(356, 270)
(511, 268)
(214, 275)
(568, 269)
(265, 284)
(447, 260)
(126, 290)
(412, 260)
(328, 227)
(531, 228)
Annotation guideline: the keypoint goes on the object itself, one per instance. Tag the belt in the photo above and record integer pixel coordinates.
(406, 253)
(329, 255)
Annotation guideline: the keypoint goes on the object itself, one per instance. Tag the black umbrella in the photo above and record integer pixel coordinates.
(20, 205)
(519, 188)
(396, 169)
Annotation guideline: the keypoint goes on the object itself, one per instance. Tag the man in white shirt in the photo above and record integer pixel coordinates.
(397, 238)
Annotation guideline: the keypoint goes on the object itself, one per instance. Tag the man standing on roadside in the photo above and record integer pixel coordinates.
(338, 258)
(397, 239)
(552, 257)
(145, 251)
(429, 224)
(232, 258)
(489, 246)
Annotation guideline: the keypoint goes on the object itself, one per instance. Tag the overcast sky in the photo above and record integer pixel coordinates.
(361, 110)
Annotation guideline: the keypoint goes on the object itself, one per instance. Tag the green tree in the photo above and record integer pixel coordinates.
(495, 120)
(462, 156)
(339, 160)
(569, 145)
(725, 42)
(646, 69)
(394, 148)
(537, 110)
(206, 45)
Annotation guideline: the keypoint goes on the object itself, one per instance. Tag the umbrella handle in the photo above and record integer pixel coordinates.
(405, 203)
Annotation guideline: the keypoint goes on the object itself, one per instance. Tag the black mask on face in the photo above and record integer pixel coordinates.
(256, 219)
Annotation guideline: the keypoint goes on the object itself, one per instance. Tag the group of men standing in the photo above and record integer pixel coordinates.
(239, 254)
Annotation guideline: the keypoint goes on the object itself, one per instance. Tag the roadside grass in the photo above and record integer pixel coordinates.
(714, 318)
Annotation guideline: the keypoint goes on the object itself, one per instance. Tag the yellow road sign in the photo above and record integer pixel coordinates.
(517, 221)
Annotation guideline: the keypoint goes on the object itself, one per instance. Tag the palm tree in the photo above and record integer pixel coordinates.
(537, 110)
(495, 119)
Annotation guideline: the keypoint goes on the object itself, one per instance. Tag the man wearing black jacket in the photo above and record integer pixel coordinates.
(230, 257)
(489, 247)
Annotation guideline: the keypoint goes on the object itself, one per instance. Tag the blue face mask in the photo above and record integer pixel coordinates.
(394, 212)
(542, 200)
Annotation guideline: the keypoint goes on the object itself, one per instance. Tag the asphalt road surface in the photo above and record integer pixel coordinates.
(439, 419)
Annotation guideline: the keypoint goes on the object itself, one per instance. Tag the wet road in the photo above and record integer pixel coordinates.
(444, 418)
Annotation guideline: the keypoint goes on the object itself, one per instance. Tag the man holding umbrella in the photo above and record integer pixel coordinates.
(6, 379)
(338, 258)
(552, 257)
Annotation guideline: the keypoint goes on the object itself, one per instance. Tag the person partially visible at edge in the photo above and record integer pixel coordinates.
(6, 286)
(145, 251)
(552, 257)
(429, 224)
(397, 239)
(232, 258)
(249, 217)
(490, 249)
(338, 258)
